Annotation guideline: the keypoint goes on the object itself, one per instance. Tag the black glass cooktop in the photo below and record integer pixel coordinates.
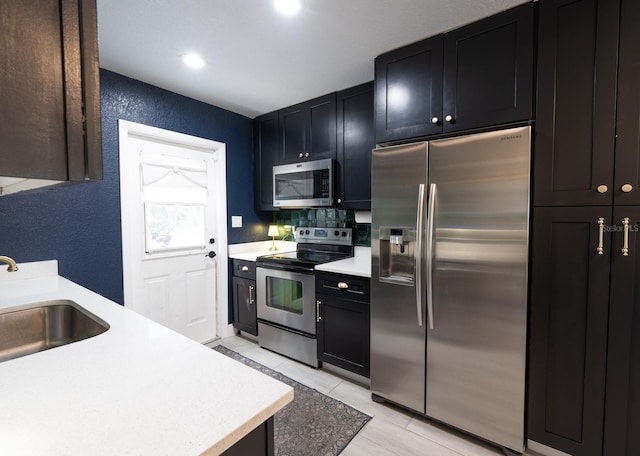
(306, 257)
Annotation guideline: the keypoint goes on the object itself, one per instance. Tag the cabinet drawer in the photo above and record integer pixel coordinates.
(345, 286)
(244, 268)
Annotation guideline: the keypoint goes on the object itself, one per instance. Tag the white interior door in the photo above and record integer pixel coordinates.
(173, 204)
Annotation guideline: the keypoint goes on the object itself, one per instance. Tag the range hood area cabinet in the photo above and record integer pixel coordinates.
(479, 75)
(308, 130)
(50, 128)
(337, 126)
(584, 346)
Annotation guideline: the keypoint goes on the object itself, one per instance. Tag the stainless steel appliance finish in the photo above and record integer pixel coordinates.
(286, 298)
(304, 184)
(469, 281)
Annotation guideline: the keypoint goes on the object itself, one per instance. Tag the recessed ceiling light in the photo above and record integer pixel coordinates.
(193, 60)
(288, 7)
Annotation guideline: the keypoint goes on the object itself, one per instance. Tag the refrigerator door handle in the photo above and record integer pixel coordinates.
(418, 251)
(429, 262)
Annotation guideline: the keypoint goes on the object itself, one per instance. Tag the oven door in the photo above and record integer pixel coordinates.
(287, 298)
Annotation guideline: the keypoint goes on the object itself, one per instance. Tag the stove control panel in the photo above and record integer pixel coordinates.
(337, 236)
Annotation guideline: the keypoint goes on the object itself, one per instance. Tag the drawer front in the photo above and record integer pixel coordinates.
(244, 268)
(345, 286)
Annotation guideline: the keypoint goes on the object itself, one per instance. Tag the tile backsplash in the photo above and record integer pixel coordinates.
(324, 218)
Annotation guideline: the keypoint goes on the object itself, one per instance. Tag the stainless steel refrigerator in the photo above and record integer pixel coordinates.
(449, 246)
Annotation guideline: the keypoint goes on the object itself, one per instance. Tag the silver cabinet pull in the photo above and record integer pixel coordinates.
(625, 242)
(252, 299)
(307, 155)
(245, 268)
(602, 188)
(300, 155)
(600, 248)
(626, 188)
(418, 252)
(318, 316)
(435, 120)
(343, 285)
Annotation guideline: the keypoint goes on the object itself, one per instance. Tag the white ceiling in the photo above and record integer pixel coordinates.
(259, 61)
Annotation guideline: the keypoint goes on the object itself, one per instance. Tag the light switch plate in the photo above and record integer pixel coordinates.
(236, 221)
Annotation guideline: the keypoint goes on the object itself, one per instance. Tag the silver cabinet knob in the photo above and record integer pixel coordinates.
(626, 188)
(245, 268)
(449, 118)
(339, 200)
(343, 285)
(300, 155)
(307, 155)
(435, 120)
(602, 188)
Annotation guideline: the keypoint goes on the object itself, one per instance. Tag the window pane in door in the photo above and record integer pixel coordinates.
(173, 227)
(284, 294)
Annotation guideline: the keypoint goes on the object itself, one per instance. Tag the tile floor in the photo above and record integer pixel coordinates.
(392, 431)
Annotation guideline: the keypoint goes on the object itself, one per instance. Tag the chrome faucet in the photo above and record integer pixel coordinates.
(13, 267)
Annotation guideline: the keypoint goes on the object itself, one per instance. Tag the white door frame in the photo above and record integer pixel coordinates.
(127, 129)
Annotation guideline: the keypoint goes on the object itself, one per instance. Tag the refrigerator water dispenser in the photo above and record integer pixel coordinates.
(397, 255)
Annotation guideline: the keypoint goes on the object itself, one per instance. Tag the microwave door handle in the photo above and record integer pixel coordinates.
(418, 253)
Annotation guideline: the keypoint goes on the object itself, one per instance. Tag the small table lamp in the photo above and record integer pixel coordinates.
(273, 232)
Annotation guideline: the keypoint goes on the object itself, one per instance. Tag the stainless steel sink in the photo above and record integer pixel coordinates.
(43, 325)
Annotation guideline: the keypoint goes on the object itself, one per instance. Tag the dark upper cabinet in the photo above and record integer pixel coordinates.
(576, 103)
(50, 104)
(408, 91)
(266, 154)
(308, 130)
(343, 321)
(626, 186)
(355, 135)
(568, 328)
(488, 71)
(475, 76)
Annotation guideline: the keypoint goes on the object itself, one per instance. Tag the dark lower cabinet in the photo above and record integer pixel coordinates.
(343, 321)
(258, 442)
(50, 127)
(584, 369)
(622, 416)
(568, 328)
(245, 316)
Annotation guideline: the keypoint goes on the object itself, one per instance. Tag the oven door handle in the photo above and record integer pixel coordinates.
(283, 267)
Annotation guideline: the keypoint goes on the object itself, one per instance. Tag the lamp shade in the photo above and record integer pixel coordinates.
(273, 230)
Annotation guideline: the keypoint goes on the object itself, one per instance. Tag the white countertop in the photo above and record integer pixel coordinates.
(137, 389)
(358, 265)
(252, 250)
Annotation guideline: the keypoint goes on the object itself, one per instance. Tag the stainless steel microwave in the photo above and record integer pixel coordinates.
(304, 184)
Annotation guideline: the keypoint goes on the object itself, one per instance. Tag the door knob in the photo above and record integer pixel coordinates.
(211, 254)
(626, 188)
